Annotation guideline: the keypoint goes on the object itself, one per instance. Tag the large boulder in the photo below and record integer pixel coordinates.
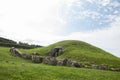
(50, 60)
(67, 62)
(62, 62)
(36, 59)
(26, 56)
(104, 67)
(94, 66)
(76, 64)
(56, 51)
(15, 52)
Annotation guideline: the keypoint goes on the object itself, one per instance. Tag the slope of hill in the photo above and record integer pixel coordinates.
(4, 40)
(81, 52)
(10, 43)
(15, 68)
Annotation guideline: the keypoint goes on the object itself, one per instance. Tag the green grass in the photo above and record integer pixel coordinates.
(81, 52)
(12, 68)
(45, 72)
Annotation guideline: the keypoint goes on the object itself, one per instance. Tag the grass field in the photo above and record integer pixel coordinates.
(16, 68)
(44, 72)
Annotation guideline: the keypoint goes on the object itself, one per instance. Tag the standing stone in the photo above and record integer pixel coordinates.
(15, 52)
(56, 51)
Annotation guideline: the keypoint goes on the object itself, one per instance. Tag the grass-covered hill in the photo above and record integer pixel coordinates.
(4, 40)
(81, 52)
(16, 68)
(10, 43)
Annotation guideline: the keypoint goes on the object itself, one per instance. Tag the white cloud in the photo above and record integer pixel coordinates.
(36, 16)
(105, 2)
(27, 20)
(91, 1)
(27, 16)
(101, 2)
(88, 13)
(115, 4)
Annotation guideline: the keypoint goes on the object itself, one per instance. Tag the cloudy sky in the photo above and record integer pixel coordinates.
(47, 21)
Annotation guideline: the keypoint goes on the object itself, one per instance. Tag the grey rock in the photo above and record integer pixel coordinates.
(104, 67)
(36, 59)
(15, 52)
(56, 51)
(67, 62)
(62, 62)
(59, 62)
(26, 56)
(77, 65)
(94, 66)
(50, 60)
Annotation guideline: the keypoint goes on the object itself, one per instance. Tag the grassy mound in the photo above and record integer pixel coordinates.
(81, 52)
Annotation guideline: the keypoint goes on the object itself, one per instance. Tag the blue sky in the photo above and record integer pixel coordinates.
(84, 15)
(45, 22)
